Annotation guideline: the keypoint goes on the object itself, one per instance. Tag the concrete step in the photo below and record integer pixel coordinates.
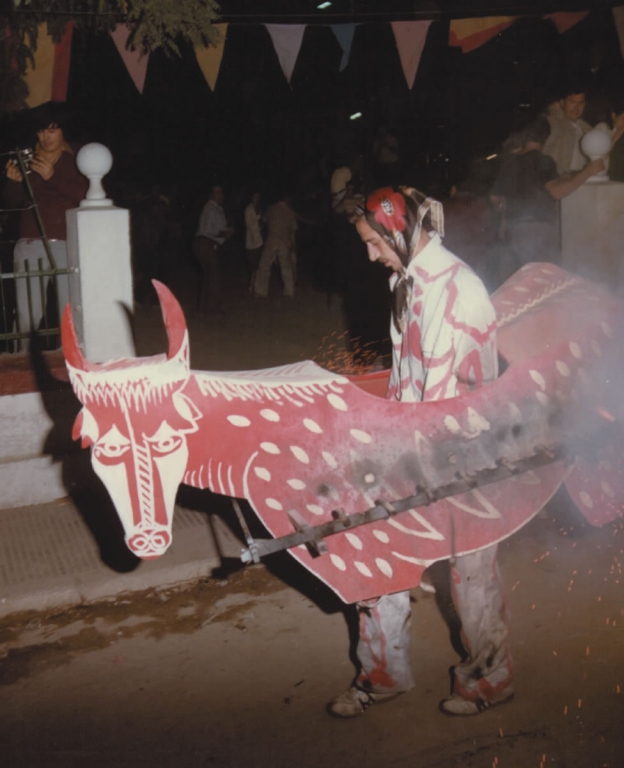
(49, 557)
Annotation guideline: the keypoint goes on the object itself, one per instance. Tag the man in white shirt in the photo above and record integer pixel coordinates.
(566, 131)
(212, 232)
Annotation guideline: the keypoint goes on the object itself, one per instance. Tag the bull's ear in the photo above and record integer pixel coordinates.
(174, 321)
(71, 348)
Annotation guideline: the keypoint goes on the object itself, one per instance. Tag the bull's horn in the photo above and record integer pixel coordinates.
(173, 317)
(71, 348)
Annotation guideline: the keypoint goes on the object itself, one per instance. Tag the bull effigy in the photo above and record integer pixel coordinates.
(366, 492)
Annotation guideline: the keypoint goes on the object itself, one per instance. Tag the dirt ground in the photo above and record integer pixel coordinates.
(236, 670)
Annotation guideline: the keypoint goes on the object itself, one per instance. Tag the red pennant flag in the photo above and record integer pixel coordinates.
(564, 20)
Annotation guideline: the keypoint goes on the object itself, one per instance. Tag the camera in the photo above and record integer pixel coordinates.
(26, 155)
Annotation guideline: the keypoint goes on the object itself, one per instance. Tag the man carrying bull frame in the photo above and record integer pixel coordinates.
(444, 343)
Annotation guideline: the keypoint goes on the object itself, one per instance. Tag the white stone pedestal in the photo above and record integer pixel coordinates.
(98, 243)
(592, 232)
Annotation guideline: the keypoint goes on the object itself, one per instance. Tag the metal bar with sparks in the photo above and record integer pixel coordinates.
(312, 535)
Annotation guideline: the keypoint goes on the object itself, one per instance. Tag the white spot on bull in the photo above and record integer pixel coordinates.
(363, 569)
(273, 504)
(263, 473)
(586, 499)
(329, 460)
(576, 350)
(369, 478)
(270, 448)
(337, 402)
(269, 414)
(596, 347)
(451, 423)
(542, 399)
(607, 330)
(297, 485)
(607, 489)
(315, 509)
(354, 540)
(526, 478)
(239, 421)
(538, 379)
(338, 562)
(476, 424)
(514, 411)
(300, 454)
(562, 368)
(384, 566)
(360, 436)
(381, 536)
(312, 426)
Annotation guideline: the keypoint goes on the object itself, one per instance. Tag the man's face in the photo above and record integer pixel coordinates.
(217, 195)
(378, 248)
(573, 105)
(51, 138)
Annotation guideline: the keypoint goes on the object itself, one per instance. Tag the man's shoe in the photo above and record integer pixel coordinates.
(457, 706)
(355, 701)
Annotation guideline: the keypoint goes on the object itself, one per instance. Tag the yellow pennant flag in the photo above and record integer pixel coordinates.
(39, 78)
(209, 59)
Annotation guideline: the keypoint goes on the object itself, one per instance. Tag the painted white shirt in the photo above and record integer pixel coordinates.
(449, 344)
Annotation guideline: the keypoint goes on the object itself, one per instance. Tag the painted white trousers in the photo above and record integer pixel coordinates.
(385, 634)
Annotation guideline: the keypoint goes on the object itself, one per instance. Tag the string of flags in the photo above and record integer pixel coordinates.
(47, 79)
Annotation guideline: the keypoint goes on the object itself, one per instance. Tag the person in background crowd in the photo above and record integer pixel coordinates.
(526, 192)
(280, 245)
(57, 186)
(566, 130)
(386, 155)
(349, 173)
(253, 234)
(444, 344)
(212, 232)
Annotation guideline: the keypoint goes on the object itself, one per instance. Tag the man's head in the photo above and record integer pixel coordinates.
(217, 194)
(535, 134)
(390, 222)
(49, 122)
(573, 103)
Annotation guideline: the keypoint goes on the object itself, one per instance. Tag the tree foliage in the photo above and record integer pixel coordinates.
(153, 24)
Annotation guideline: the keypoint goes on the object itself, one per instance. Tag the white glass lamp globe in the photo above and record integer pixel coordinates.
(596, 144)
(94, 161)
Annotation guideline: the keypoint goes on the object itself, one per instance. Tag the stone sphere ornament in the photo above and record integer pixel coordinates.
(94, 161)
(596, 145)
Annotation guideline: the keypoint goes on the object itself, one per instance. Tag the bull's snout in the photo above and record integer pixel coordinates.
(151, 544)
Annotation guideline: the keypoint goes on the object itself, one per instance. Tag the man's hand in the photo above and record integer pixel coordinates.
(44, 168)
(13, 172)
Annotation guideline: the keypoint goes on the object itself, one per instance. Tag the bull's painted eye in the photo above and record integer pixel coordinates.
(165, 440)
(111, 447)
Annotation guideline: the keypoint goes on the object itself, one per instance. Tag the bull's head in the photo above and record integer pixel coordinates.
(135, 418)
